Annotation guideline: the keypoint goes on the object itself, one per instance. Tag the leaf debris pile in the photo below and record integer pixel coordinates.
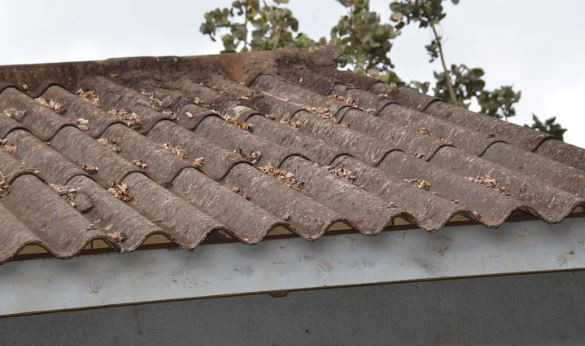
(89, 95)
(14, 113)
(8, 147)
(55, 106)
(175, 149)
(420, 183)
(323, 113)
(66, 192)
(285, 177)
(120, 191)
(129, 118)
(295, 124)
(82, 124)
(489, 182)
(343, 173)
(111, 144)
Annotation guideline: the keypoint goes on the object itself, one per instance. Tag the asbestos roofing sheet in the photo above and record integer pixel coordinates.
(239, 146)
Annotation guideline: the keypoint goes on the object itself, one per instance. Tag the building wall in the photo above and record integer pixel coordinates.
(529, 309)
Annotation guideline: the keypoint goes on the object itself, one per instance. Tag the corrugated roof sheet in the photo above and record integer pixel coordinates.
(242, 144)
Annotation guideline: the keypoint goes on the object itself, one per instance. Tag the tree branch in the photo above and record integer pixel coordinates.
(447, 74)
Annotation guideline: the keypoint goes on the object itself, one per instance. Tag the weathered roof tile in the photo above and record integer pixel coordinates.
(190, 147)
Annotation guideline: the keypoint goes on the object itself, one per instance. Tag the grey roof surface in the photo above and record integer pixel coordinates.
(241, 144)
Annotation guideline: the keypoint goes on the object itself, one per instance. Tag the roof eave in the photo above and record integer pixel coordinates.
(44, 285)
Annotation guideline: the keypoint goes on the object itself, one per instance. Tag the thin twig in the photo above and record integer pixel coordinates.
(442, 57)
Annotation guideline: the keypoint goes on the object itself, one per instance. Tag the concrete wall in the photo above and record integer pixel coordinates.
(529, 309)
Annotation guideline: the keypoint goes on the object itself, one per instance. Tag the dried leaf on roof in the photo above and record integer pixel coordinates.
(14, 113)
(343, 173)
(284, 176)
(175, 149)
(120, 191)
(4, 189)
(68, 193)
(8, 147)
(82, 124)
(89, 95)
(198, 162)
(420, 183)
(239, 123)
(295, 124)
(140, 163)
(490, 182)
(110, 144)
(422, 131)
(189, 115)
(445, 140)
(129, 118)
(55, 106)
(154, 101)
(343, 124)
(253, 156)
(89, 168)
(115, 236)
(323, 113)
(169, 113)
(347, 100)
(416, 154)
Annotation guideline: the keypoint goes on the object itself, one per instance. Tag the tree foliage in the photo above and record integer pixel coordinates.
(367, 42)
(251, 25)
(459, 84)
(549, 126)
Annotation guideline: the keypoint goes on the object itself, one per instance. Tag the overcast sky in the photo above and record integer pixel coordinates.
(536, 45)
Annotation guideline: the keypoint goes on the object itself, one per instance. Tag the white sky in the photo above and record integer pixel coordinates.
(532, 44)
